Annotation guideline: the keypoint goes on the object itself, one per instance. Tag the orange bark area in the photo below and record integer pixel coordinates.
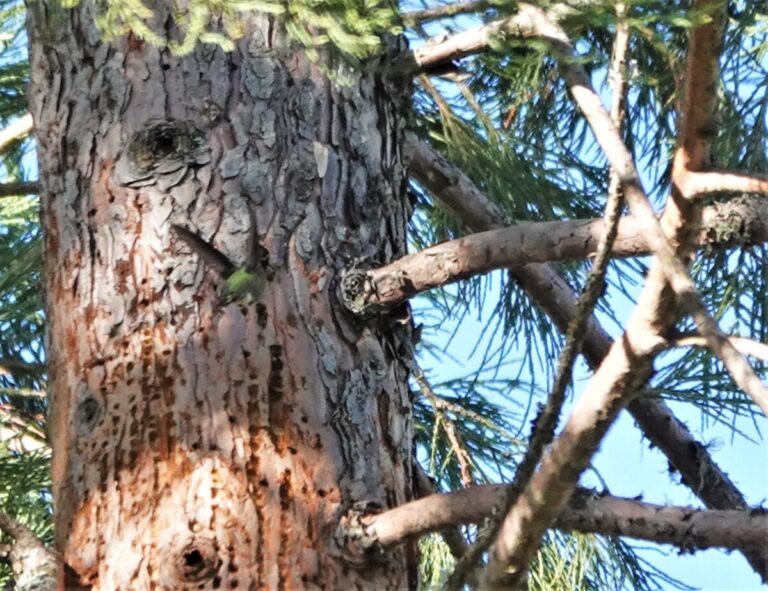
(193, 465)
(681, 219)
(169, 484)
(206, 518)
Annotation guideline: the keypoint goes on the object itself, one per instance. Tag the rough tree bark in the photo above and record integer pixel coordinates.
(199, 443)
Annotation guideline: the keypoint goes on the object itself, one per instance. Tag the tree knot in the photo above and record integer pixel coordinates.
(161, 153)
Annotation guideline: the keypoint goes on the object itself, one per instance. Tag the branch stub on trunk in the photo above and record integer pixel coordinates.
(359, 545)
(362, 293)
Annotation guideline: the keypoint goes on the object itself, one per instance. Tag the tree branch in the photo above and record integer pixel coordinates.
(546, 421)
(19, 188)
(451, 535)
(621, 162)
(696, 185)
(532, 21)
(442, 51)
(741, 222)
(743, 345)
(415, 17)
(465, 462)
(557, 300)
(689, 529)
(630, 360)
(16, 131)
(35, 566)
(7, 366)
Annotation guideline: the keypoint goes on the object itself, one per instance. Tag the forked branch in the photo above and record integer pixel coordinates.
(557, 299)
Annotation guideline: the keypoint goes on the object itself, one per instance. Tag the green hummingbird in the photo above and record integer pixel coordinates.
(243, 284)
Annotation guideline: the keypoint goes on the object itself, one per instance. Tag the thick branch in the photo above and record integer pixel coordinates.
(556, 298)
(741, 222)
(684, 527)
(16, 131)
(34, 565)
(19, 188)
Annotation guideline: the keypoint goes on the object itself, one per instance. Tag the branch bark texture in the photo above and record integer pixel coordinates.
(585, 511)
(557, 299)
(740, 222)
(34, 565)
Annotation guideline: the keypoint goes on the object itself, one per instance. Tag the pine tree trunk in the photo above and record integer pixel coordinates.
(200, 443)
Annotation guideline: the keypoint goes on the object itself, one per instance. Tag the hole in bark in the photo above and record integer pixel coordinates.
(262, 316)
(196, 561)
(193, 559)
(88, 414)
